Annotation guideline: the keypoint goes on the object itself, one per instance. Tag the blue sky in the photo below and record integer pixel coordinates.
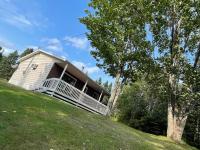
(50, 25)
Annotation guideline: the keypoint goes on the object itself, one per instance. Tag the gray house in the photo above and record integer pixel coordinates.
(46, 73)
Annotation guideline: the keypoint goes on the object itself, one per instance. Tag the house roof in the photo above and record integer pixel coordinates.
(81, 75)
(37, 52)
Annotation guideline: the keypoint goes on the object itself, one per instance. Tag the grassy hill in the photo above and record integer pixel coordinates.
(35, 121)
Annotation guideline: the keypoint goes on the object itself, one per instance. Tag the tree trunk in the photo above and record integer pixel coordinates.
(196, 132)
(176, 124)
(116, 97)
(114, 94)
(176, 117)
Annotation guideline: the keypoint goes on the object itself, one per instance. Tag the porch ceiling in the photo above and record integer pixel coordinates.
(82, 76)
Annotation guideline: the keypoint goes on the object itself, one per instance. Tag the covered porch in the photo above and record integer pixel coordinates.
(67, 82)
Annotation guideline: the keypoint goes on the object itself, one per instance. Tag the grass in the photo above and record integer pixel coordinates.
(35, 121)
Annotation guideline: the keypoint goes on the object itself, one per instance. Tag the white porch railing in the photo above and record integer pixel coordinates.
(62, 89)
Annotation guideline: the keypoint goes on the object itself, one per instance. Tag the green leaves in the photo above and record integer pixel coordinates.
(26, 52)
(126, 34)
(117, 32)
(6, 63)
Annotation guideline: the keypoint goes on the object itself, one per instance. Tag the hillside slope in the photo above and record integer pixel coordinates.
(35, 121)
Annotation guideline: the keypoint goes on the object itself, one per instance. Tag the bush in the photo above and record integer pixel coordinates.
(138, 107)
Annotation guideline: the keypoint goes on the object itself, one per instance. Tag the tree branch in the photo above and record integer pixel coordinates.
(197, 57)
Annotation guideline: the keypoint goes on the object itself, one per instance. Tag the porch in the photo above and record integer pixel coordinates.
(68, 83)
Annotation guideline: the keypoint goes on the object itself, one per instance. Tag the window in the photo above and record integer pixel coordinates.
(34, 66)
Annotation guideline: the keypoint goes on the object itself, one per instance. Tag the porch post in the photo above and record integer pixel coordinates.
(82, 91)
(63, 72)
(100, 96)
(85, 86)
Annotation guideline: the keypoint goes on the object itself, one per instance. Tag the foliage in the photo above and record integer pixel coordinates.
(174, 26)
(192, 129)
(106, 85)
(117, 33)
(140, 108)
(99, 81)
(1, 53)
(123, 33)
(35, 121)
(6, 65)
(26, 52)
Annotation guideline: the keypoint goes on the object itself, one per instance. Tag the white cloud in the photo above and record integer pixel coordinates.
(77, 42)
(85, 68)
(18, 14)
(7, 51)
(6, 43)
(19, 19)
(91, 70)
(7, 46)
(53, 44)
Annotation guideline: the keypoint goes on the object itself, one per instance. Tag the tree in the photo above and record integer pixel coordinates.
(26, 52)
(141, 108)
(118, 34)
(105, 85)
(99, 81)
(1, 53)
(109, 87)
(192, 129)
(6, 69)
(118, 30)
(174, 26)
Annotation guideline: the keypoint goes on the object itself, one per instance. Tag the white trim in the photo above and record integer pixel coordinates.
(63, 72)
(37, 52)
(100, 96)
(70, 92)
(84, 86)
(86, 89)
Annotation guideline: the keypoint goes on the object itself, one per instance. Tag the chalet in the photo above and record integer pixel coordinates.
(44, 72)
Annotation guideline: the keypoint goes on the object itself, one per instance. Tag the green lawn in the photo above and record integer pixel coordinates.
(35, 121)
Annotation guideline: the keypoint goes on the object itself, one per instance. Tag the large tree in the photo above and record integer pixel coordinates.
(6, 69)
(117, 32)
(118, 29)
(175, 29)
